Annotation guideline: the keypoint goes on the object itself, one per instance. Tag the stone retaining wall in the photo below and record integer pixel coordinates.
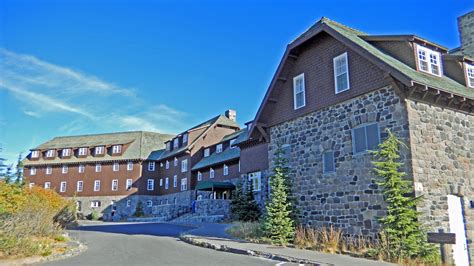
(207, 207)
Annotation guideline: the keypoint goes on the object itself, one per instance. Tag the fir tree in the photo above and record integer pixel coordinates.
(277, 224)
(139, 210)
(243, 206)
(19, 171)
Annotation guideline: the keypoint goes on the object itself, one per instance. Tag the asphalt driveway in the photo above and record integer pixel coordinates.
(146, 244)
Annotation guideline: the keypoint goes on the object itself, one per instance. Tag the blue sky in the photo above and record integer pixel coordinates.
(77, 67)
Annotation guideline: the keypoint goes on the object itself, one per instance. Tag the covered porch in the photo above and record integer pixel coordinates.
(214, 190)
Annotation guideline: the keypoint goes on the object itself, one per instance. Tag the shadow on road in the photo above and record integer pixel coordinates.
(155, 229)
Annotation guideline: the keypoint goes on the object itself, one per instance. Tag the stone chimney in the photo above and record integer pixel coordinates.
(466, 31)
(231, 114)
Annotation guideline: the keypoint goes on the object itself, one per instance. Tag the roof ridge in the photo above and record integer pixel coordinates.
(110, 133)
(330, 21)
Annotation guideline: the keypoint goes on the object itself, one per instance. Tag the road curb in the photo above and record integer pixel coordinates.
(193, 240)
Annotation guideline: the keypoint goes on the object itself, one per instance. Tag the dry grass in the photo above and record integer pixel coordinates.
(250, 231)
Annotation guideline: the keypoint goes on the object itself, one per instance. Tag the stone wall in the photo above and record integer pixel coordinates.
(208, 207)
(466, 31)
(442, 144)
(349, 198)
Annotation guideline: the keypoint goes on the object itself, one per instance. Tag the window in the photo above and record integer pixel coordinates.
(168, 146)
(129, 203)
(161, 182)
(116, 149)
(129, 166)
(50, 153)
(98, 167)
(99, 150)
(470, 75)
(185, 138)
(184, 184)
(175, 181)
(79, 186)
(150, 184)
(33, 171)
(199, 176)
(34, 154)
(62, 187)
(167, 165)
(82, 151)
(79, 206)
(219, 148)
(167, 183)
(151, 166)
(255, 178)
(232, 141)
(115, 185)
(149, 203)
(128, 184)
(211, 173)
(95, 204)
(299, 97)
(82, 168)
(30, 185)
(428, 60)
(175, 163)
(341, 73)
(66, 152)
(175, 143)
(207, 152)
(365, 138)
(64, 169)
(116, 167)
(47, 185)
(328, 162)
(49, 170)
(97, 185)
(184, 165)
(226, 169)
(199, 197)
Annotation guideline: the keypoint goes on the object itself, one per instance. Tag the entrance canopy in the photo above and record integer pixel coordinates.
(212, 186)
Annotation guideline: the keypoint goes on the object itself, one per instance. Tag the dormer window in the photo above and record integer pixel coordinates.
(207, 152)
(82, 151)
(66, 152)
(99, 150)
(219, 148)
(185, 138)
(35, 154)
(50, 154)
(470, 75)
(116, 149)
(428, 60)
(299, 97)
(175, 161)
(232, 141)
(175, 143)
(341, 73)
(168, 146)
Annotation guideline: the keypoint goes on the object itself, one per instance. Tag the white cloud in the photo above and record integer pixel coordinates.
(31, 113)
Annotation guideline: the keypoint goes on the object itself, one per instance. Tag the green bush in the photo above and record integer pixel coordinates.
(94, 215)
(139, 210)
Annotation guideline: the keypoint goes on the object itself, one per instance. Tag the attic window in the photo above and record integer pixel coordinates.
(470, 75)
(34, 154)
(82, 151)
(175, 143)
(66, 152)
(232, 141)
(99, 150)
(299, 92)
(185, 138)
(168, 146)
(117, 149)
(219, 148)
(429, 60)
(50, 153)
(207, 152)
(341, 73)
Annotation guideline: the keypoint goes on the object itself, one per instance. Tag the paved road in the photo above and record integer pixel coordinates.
(147, 244)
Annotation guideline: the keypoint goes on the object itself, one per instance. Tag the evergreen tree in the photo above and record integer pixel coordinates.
(237, 203)
(277, 223)
(243, 206)
(139, 210)
(3, 166)
(19, 171)
(406, 237)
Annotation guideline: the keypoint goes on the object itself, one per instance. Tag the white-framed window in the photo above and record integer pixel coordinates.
(470, 75)
(199, 176)
(167, 164)
(116, 167)
(149, 203)
(64, 169)
(150, 184)
(299, 93)
(428, 60)
(129, 203)
(239, 166)
(175, 161)
(207, 152)
(50, 153)
(256, 179)
(116, 149)
(161, 182)
(328, 162)
(47, 185)
(129, 166)
(184, 165)
(95, 204)
(232, 141)
(115, 185)
(219, 148)
(79, 186)
(128, 184)
(99, 150)
(82, 151)
(199, 197)
(97, 185)
(184, 184)
(185, 138)
(33, 171)
(175, 181)
(81, 168)
(211, 173)
(35, 154)
(167, 183)
(175, 143)
(62, 187)
(31, 185)
(49, 170)
(226, 169)
(168, 146)
(151, 166)
(365, 138)
(341, 73)
(66, 152)
(98, 167)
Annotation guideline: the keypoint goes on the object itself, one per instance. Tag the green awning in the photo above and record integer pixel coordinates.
(211, 185)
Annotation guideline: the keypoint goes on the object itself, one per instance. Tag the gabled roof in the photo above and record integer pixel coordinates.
(355, 40)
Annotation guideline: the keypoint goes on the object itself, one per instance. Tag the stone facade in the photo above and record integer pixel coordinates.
(207, 207)
(348, 198)
(466, 30)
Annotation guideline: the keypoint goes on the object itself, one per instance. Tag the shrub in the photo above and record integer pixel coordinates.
(250, 231)
(94, 215)
(139, 210)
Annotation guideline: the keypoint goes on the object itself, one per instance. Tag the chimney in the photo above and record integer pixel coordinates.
(231, 114)
(466, 31)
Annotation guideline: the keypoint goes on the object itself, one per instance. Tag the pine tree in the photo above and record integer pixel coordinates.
(406, 237)
(277, 224)
(243, 206)
(139, 210)
(19, 171)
